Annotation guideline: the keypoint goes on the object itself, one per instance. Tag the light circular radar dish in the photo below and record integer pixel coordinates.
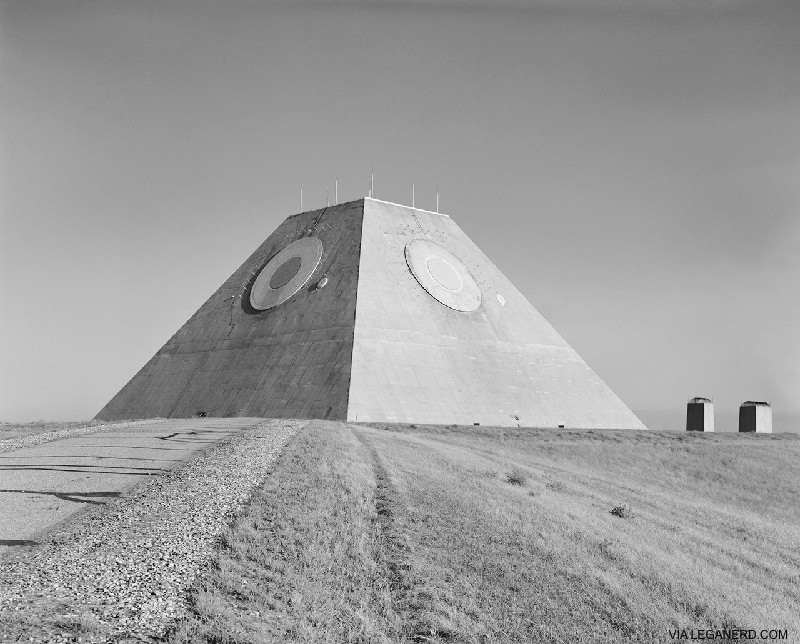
(442, 275)
(286, 273)
(443, 272)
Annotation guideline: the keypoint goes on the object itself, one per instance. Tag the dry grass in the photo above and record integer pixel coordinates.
(391, 534)
(305, 562)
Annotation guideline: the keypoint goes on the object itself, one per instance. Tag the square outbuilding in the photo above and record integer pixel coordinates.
(755, 416)
(700, 415)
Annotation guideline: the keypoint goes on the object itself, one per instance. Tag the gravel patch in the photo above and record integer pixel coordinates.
(119, 573)
(10, 444)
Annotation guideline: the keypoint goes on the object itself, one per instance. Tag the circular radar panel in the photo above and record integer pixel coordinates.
(286, 273)
(442, 274)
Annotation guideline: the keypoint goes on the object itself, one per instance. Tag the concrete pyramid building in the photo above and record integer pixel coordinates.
(371, 311)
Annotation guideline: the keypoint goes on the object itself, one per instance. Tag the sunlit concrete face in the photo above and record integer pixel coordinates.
(494, 361)
(371, 311)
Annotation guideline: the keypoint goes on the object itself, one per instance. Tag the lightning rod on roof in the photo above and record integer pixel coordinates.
(437, 197)
(372, 182)
(412, 195)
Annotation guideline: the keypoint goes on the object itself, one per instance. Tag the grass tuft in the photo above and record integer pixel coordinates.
(622, 511)
(516, 477)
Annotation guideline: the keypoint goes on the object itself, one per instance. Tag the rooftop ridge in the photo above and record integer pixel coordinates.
(402, 205)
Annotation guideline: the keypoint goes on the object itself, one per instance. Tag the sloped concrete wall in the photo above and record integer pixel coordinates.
(416, 360)
(290, 361)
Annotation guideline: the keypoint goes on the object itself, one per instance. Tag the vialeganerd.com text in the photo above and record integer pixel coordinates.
(710, 634)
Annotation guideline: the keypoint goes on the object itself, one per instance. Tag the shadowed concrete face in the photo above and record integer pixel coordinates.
(258, 348)
(387, 313)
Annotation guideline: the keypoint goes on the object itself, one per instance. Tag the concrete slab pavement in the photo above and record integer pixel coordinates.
(45, 485)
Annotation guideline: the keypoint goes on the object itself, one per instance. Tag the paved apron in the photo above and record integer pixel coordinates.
(44, 485)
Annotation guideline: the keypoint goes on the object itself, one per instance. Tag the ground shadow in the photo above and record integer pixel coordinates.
(75, 497)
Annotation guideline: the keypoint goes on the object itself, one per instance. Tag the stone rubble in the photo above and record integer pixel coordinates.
(123, 569)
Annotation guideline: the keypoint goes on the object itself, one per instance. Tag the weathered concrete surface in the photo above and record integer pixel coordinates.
(455, 344)
(44, 485)
(700, 415)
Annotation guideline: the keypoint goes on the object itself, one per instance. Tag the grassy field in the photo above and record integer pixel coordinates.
(402, 534)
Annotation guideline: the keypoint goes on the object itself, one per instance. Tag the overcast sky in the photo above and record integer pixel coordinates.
(633, 167)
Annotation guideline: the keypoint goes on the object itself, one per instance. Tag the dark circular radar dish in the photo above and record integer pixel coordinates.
(442, 275)
(285, 274)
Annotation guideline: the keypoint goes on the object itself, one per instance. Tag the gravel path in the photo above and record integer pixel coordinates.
(119, 573)
(10, 444)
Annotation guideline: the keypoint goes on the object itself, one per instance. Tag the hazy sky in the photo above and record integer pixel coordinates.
(633, 167)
